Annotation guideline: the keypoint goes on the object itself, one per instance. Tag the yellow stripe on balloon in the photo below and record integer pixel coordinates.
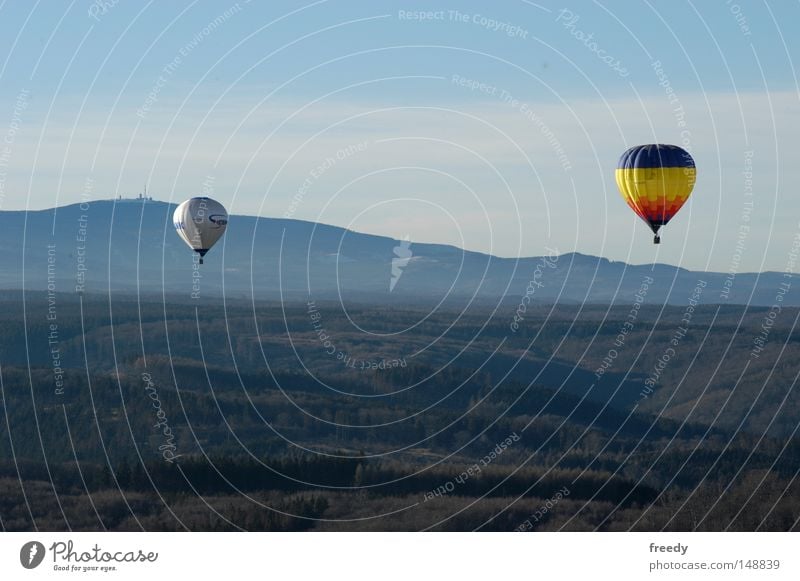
(655, 193)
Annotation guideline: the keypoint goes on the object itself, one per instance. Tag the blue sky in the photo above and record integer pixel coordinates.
(494, 127)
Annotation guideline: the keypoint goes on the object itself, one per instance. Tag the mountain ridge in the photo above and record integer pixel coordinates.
(130, 245)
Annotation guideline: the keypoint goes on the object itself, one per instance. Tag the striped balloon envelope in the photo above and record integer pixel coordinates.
(655, 180)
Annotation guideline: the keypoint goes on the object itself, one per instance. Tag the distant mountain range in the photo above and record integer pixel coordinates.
(130, 245)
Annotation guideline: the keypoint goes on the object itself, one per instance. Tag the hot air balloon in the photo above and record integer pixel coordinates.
(200, 222)
(655, 181)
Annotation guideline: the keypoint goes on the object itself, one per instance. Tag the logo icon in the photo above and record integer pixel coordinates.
(218, 219)
(403, 255)
(31, 554)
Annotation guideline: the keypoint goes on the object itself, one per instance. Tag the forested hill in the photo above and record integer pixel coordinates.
(158, 415)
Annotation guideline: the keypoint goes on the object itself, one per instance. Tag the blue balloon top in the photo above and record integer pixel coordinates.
(655, 155)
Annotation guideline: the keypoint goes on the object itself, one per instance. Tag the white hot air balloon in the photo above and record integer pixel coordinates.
(200, 222)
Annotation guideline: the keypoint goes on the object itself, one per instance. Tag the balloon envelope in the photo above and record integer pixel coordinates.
(200, 222)
(655, 180)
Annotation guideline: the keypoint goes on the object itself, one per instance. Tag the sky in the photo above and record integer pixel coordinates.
(495, 127)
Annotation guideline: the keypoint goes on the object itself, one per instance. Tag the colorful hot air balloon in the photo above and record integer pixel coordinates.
(200, 222)
(655, 181)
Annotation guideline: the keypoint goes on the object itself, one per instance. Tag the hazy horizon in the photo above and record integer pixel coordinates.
(546, 251)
